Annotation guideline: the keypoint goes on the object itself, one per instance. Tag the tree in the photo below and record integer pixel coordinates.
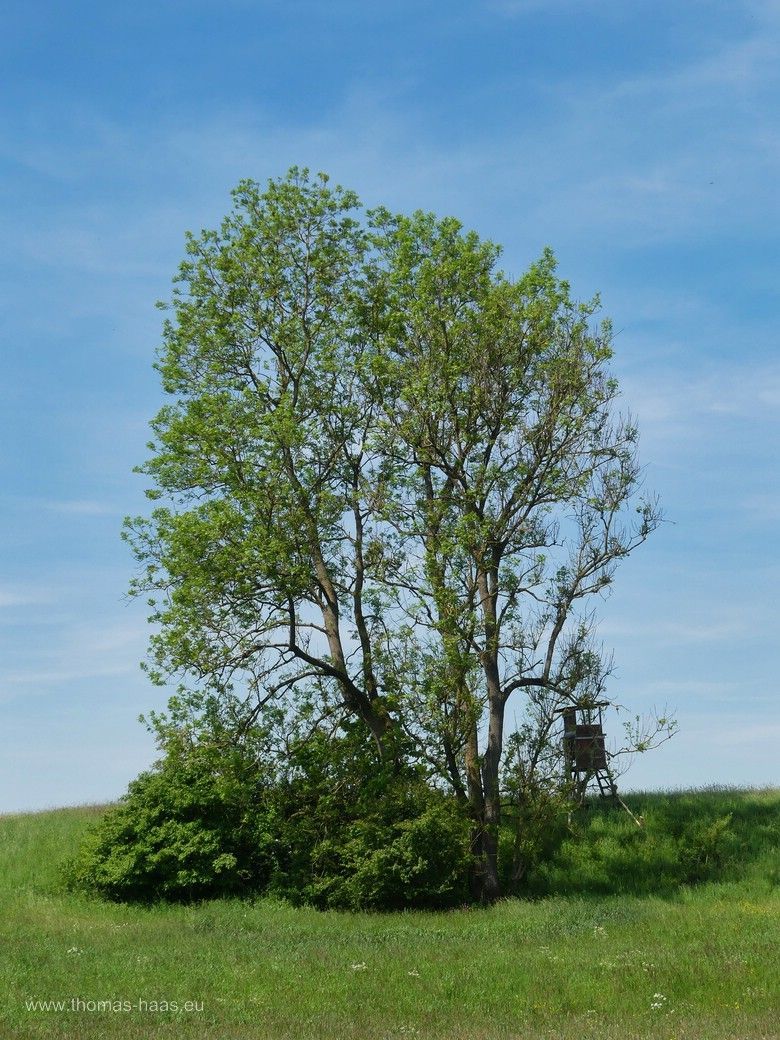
(393, 478)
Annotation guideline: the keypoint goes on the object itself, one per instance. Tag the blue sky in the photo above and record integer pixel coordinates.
(640, 140)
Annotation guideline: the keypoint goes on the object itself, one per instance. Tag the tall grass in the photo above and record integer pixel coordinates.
(685, 837)
(690, 962)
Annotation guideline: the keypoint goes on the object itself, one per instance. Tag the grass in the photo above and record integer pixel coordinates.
(689, 963)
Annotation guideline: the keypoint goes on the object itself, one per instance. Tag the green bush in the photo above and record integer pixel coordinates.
(183, 831)
(709, 849)
(333, 828)
(535, 826)
(419, 862)
(355, 833)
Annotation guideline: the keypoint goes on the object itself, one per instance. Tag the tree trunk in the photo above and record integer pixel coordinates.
(484, 883)
(477, 871)
(491, 886)
(491, 814)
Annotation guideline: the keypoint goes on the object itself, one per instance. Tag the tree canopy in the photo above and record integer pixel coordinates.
(391, 481)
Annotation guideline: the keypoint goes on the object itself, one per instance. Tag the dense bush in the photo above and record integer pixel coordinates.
(329, 825)
(360, 836)
(334, 828)
(419, 861)
(188, 829)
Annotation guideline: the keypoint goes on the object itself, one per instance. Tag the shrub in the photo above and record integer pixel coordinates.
(359, 834)
(333, 827)
(419, 862)
(183, 831)
(709, 849)
(535, 823)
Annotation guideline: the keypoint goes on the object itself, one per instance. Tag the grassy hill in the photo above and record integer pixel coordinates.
(607, 945)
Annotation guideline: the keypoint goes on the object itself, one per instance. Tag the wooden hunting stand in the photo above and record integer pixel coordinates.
(585, 752)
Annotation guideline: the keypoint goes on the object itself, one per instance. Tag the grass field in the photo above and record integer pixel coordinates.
(697, 962)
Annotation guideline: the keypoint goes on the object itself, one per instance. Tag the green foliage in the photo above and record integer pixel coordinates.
(534, 829)
(339, 829)
(183, 831)
(710, 847)
(336, 829)
(362, 835)
(389, 476)
(420, 862)
(357, 833)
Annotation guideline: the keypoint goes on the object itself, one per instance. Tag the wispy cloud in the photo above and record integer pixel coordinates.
(80, 651)
(684, 630)
(756, 736)
(750, 389)
(655, 157)
(25, 596)
(764, 505)
(15, 599)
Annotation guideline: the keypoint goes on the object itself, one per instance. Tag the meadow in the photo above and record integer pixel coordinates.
(605, 946)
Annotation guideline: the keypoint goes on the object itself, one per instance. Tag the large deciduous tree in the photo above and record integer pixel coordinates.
(391, 480)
